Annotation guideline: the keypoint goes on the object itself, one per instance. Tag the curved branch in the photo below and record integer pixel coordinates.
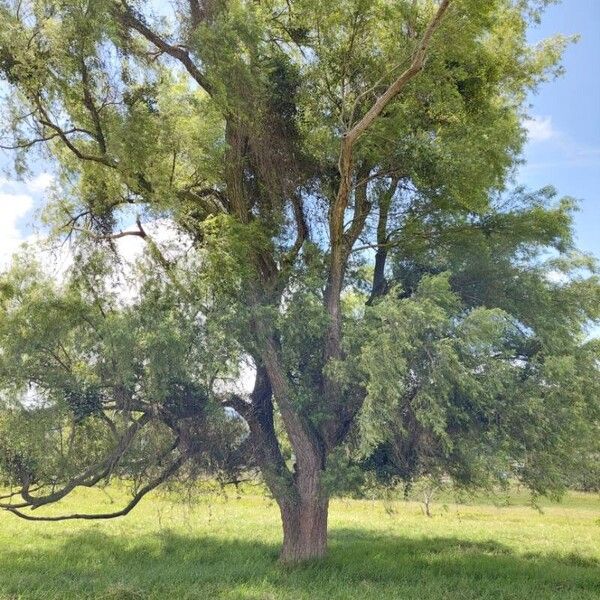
(62, 134)
(302, 231)
(88, 478)
(166, 474)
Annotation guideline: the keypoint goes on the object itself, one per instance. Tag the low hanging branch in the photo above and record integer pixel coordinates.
(95, 474)
(88, 478)
(151, 485)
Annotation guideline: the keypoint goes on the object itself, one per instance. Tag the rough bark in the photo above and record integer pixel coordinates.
(304, 503)
(302, 500)
(304, 519)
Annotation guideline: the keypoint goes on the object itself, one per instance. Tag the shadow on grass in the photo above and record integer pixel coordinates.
(94, 564)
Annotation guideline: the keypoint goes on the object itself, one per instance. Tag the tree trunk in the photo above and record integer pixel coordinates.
(304, 519)
(304, 530)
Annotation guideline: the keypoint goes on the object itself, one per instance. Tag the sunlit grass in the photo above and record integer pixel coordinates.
(216, 547)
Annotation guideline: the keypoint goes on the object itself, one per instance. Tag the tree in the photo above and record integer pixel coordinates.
(292, 144)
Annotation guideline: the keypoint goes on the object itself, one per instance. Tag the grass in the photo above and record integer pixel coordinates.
(226, 548)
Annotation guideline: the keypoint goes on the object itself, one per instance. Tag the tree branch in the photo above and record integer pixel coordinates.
(379, 285)
(90, 105)
(197, 13)
(168, 472)
(130, 19)
(416, 65)
(62, 134)
(88, 478)
(302, 230)
(339, 252)
(111, 236)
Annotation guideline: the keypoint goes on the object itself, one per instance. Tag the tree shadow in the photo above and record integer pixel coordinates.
(95, 564)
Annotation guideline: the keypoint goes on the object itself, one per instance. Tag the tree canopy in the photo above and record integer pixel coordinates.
(338, 176)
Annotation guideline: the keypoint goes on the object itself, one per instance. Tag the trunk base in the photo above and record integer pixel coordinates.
(304, 531)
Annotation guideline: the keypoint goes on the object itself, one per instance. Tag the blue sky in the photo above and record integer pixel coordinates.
(563, 149)
(564, 146)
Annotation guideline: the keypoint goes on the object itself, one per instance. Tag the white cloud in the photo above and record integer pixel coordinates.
(16, 202)
(12, 208)
(41, 182)
(539, 129)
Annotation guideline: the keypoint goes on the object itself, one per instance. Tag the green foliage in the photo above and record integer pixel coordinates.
(477, 367)
(77, 367)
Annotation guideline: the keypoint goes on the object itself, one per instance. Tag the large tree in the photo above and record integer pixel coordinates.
(324, 163)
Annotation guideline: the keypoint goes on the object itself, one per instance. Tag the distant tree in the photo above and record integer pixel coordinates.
(298, 147)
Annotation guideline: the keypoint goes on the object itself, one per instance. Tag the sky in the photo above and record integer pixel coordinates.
(563, 147)
(564, 134)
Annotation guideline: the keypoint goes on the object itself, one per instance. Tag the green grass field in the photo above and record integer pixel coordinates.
(227, 548)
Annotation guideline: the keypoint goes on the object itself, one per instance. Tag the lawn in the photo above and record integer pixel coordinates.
(220, 547)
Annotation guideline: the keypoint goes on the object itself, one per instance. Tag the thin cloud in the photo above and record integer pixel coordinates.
(540, 129)
(555, 149)
(41, 182)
